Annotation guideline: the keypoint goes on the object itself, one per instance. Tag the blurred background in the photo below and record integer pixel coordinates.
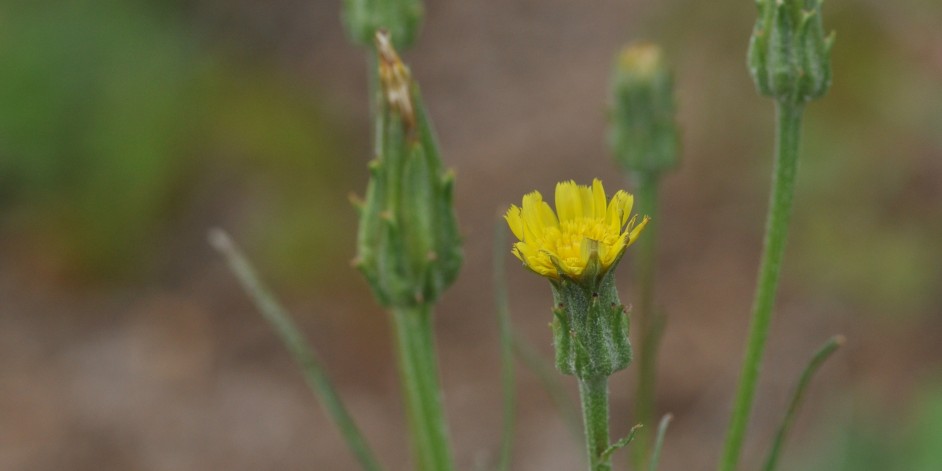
(128, 128)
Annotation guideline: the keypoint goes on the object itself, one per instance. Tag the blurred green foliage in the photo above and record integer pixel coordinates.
(868, 215)
(91, 123)
(112, 114)
(869, 211)
(907, 442)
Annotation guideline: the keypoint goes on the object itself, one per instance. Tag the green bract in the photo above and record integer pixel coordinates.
(590, 328)
(789, 54)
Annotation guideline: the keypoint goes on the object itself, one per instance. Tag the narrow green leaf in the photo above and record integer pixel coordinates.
(621, 443)
(659, 442)
(292, 338)
(797, 397)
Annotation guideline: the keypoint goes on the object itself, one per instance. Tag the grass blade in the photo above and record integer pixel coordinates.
(292, 338)
(659, 442)
(816, 361)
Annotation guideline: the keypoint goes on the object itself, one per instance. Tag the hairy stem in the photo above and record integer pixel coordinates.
(783, 189)
(594, 394)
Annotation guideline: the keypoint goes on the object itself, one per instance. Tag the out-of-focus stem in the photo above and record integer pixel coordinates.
(783, 189)
(506, 347)
(421, 387)
(650, 323)
(659, 442)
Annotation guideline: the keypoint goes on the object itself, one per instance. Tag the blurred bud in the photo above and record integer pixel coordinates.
(789, 54)
(590, 328)
(408, 243)
(643, 131)
(402, 18)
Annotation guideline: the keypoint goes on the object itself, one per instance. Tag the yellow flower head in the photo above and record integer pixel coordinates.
(585, 225)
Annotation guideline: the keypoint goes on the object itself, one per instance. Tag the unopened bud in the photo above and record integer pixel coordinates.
(408, 243)
(789, 54)
(643, 130)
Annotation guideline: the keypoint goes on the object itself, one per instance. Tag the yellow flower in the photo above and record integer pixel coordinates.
(585, 223)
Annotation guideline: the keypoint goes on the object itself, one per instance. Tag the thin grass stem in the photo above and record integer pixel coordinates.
(798, 395)
(659, 442)
(293, 339)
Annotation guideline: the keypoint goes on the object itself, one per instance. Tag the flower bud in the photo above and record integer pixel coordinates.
(643, 130)
(402, 18)
(789, 54)
(408, 243)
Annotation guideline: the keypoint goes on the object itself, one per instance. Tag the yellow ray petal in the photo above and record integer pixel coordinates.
(547, 216)
(514, 221)
(568, 207)
(599, 202)
(530, 212)
(633, 235)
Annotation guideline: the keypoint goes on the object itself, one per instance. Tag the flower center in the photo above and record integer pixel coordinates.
(566, 241)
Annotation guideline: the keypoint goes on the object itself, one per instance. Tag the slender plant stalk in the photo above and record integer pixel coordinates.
(650, 323)
(594, 394)
(783, 188)
(421, 387)
(292, 338)
(506, 346)
(551, 383)
(798, 395)
(659, 442)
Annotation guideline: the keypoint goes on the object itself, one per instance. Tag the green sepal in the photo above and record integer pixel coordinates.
(590, 328)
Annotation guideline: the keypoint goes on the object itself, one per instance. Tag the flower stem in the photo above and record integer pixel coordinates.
(783, 188)
(421, 387)
(650, 322)
(594, 394)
